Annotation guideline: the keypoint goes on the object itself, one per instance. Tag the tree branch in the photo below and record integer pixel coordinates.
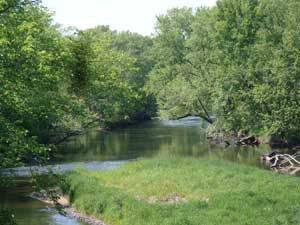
(77, 132)
(207, 119)
(205, 110)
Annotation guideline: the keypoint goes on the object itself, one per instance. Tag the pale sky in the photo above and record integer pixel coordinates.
(122, 15)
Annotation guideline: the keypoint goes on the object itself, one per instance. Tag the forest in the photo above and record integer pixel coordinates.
(235, 65)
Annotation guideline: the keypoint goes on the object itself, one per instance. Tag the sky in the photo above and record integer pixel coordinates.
(122, 15)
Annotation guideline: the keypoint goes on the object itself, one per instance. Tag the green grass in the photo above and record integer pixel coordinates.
(236, 194)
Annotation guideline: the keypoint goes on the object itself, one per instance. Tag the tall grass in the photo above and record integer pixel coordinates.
(210, 192)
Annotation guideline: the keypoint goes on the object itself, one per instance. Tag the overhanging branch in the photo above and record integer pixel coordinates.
(204, 117)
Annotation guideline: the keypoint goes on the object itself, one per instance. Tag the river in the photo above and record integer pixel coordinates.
(98, 150)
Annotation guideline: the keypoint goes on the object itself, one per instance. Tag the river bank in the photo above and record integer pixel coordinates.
(68, 210)
(173, 190)
(97, 149)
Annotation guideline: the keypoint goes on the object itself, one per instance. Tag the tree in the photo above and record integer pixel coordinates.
(256, 83)
(169, 51)
(35, 108)
(112, 79)
(138, 47)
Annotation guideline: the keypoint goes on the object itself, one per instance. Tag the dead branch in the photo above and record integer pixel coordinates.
(284, 163)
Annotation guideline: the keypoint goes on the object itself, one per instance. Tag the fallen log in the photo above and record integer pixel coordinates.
(249, 140)
(284, 163)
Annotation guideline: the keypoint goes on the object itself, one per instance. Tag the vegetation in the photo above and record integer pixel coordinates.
(235, 65)
(109, 79)
(237, 61)
(6, 217)
(173, 190)
(55, 83)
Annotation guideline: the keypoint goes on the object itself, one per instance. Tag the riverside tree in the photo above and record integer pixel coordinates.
(235, 65)
(34, 105)
(237, 62)
(259, 72)
(110, 72)
(54, 84)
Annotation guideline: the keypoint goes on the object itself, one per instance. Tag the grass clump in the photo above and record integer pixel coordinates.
(186, 191)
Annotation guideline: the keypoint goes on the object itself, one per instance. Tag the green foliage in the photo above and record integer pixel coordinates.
(47, 188)
(105, 61)
(6, 217)
(140, 48)
(169, 50)
(214, 192)
(53, 85)
(35, 108)
(259, 91)
(80, 49)
(173, 29)
(17, 147)
(237, 62)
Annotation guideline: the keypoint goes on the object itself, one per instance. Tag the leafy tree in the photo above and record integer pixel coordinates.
(138, 47)
(169, 50)
(256, 83)
(34, 106)
(80, 49)
(113, 83)
(237, 23)
(237, 62)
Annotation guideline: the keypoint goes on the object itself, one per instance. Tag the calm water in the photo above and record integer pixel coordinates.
(99, 150)
(181, 137)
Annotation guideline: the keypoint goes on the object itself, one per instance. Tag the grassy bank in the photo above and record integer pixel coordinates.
(184, 191)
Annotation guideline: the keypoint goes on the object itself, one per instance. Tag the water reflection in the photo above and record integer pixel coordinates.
(181, 137)
(29, 211)
(62, 168)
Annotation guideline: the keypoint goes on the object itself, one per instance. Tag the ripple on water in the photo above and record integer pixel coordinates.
(63, 168)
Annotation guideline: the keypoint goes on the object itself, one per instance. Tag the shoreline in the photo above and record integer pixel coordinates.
(70, 211)
(152, 191)
(73, 213)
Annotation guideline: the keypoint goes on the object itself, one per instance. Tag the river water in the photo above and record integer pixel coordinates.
(98, 150)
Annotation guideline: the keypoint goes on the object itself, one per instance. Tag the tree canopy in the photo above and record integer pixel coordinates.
(55, 83)
(236, 65)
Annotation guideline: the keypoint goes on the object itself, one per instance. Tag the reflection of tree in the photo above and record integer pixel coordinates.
(148, 139)
(249, 155)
